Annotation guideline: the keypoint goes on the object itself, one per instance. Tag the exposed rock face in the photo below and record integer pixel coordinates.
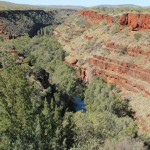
(96, 17)
(133, 21)
(123, 19)
(131, 51)
(107, 67)
(115, 72)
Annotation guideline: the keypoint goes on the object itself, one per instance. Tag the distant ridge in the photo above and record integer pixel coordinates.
(63, 6)
(12, 6)
(9, 5)
(116, 6)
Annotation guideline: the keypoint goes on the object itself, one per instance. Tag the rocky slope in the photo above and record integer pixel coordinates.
(16, 23)
(116, 48)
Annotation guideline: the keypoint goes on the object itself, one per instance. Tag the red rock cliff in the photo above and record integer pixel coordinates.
(133, 21)
(95, 17)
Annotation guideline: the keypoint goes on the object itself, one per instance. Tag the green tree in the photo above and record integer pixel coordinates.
(100, 96)
(64, 77)
(24, 124)
(93, 128)
(15, 104)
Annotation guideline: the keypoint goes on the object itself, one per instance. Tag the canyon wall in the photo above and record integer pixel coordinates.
(120, 73)
(95, 17)
(14, 23)
(127, 50)
(133, 21)
(123, 61)
(133, 76)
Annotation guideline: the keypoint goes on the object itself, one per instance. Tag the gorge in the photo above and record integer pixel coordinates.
(51, 59)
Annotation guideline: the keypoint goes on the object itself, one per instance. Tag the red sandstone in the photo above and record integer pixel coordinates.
(133, 21)
(118, 67)
(95, 17)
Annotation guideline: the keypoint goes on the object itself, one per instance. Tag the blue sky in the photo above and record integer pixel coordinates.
(81, 2)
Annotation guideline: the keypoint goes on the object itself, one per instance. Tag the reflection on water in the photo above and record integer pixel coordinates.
(79, 104)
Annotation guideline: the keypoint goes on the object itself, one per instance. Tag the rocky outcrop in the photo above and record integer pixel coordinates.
(88, 37)
(106, 67)
(95, 17)
(113, 71)
(124, 49)
(71, 60)
(133, 21)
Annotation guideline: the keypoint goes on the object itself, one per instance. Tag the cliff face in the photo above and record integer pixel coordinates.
(95, 17)
(133, 21)
(18, 22)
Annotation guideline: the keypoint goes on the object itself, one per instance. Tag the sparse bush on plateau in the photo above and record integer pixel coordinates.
(122, 49)
(115, 30)
(137, 36)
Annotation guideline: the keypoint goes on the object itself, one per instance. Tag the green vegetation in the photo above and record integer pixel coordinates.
(124, 143)
(27, 119)
(104, 98)
(1, 39)
(36, 107)
(106, 116)
(94, 128)
(137, 36)
(97, 39)
(33, 108)
(115, 29)
(20, 22)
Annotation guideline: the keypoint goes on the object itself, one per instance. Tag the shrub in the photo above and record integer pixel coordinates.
(100, 97)
(137, 36)
(115, 30)
(122, 49)
(126, 143)
(94, 128)
(1, 39)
